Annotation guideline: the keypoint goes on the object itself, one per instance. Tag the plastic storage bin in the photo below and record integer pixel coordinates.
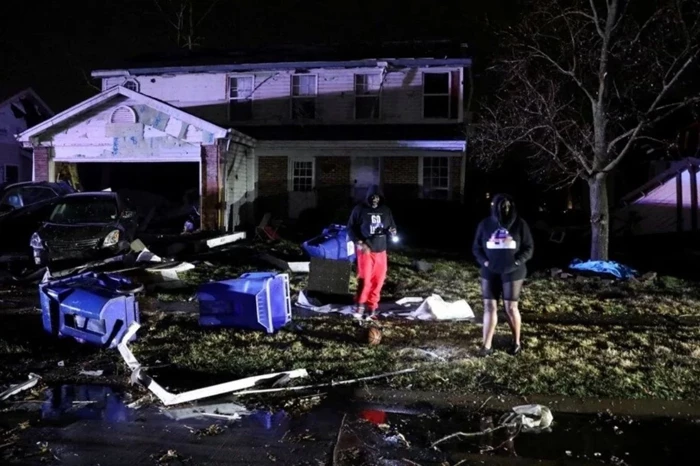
(254, 301)
(332, 244)
(90, 307)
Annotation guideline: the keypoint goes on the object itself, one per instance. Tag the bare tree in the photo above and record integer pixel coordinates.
(583, 83)
(185, 19)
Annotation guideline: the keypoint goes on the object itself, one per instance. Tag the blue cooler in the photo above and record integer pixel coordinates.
(332, 244)
(255, 301)
(90, 307)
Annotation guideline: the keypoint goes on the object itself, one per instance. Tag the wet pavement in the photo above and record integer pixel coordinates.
(94, 425)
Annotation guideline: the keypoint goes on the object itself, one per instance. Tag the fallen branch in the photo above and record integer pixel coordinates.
(471, 434)
(329, 384)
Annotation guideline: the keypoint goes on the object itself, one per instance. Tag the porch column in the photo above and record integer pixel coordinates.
(210, 203)
(41, 163)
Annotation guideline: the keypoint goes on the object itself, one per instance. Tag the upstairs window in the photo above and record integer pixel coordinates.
(304, 91)
(441, 95)
(367, 96)
(241, 98)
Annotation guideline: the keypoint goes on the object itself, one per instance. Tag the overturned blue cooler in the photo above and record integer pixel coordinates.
(254, 301)
(91, 307)
(333, 243)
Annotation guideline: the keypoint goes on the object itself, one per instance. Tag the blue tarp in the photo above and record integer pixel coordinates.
(603, 268)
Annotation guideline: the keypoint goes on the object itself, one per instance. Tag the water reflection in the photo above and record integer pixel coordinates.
(84, 402)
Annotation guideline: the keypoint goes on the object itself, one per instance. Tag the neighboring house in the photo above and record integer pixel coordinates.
(666, 204)
(308, 134)
(18, 113)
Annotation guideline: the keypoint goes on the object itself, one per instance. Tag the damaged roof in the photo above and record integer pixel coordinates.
(216, 131)
(398, 54)
(27, 105)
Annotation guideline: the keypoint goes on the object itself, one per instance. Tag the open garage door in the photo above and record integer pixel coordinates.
(164, 194)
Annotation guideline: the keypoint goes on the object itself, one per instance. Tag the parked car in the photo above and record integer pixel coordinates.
(84, 227)
(15, 196)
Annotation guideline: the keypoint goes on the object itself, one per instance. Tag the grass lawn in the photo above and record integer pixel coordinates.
(582, 337)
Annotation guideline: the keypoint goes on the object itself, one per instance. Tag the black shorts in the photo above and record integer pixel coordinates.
(506, 286)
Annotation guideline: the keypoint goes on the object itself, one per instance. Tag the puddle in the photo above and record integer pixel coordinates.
(92, 424)
(596, 438)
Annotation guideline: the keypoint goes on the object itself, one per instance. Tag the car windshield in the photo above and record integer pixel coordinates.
(85, 210)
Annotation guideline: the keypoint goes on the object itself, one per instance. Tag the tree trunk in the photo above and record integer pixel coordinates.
(600, 216)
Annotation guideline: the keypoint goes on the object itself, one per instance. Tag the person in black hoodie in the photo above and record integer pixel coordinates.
(370, 223)
(502, 245)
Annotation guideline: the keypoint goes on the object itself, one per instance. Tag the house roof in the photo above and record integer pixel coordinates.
(366, 55)
(675, 168)
(218, 132)
(29, 92)
(368, 132)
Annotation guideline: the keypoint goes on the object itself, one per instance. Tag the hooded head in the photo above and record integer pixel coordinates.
(503, 210)
(374, 196)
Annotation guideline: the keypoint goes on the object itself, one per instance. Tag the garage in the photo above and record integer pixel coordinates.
(128, 142)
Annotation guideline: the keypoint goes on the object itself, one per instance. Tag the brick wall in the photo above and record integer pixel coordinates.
(272, 187)
(400, 177)
(211, 187)
(41, 164)
(456, 178)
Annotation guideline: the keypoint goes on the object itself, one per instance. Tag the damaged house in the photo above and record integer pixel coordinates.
(253, 135)
(21, 111)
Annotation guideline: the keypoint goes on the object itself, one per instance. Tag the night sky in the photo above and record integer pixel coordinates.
(53, 46)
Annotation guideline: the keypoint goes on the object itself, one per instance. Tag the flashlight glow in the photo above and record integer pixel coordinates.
(395, 239)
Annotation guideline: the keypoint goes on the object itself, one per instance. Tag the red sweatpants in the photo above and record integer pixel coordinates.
(371, 273)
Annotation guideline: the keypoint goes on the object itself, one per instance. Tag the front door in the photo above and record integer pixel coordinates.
(364, 172)
(302, 185)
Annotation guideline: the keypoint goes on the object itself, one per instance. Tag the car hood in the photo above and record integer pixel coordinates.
(62, 232)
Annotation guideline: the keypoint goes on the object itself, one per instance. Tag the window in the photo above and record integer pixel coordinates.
(367, 96)
(131, 84)
(441, 92)
(436, 177)
(241, 98)
(302, 175)
(11, 173)
(303, 97)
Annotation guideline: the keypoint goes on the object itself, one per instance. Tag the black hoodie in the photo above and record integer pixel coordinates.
(504, 241)
(371, 225)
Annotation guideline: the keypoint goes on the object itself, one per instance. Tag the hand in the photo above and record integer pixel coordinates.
(361, 247)
(392, 231)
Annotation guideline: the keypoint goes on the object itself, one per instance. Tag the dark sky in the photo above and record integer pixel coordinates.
(53, 46)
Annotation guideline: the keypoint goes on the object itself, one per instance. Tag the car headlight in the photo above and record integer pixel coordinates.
(35, 241)
(111, 239)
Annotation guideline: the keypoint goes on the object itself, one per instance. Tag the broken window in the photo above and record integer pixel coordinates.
(303, 175)
(441, 95)
(241, 98)
(11, 173)
(367, 96)
(303, 97)
(436, 177)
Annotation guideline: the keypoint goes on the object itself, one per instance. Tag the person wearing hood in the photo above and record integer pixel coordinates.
(370, 223)
(503, 244)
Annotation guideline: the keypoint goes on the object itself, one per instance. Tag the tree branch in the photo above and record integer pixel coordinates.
(539, 53)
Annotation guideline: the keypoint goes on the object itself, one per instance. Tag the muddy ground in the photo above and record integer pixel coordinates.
(584, 337)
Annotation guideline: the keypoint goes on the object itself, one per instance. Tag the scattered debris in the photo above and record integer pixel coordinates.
(168, 399)
(422, 266)
(20, 387)
(603, 268)
(97, 373)
(227, 239)
(326, 385)
(436, 308)
(228, 411)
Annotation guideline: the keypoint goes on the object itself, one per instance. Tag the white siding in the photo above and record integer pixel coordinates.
(152, 137)
(236, 172)
(206, 95)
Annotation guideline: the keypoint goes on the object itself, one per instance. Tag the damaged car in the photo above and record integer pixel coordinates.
(84, 227)
(14, 196)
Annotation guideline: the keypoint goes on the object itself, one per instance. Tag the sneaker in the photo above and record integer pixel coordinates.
(373, 315)
(485, 352)
(515, 350)
(359, 313)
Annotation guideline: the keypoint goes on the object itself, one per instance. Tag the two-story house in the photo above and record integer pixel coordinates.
(284, 136)
(21, 111)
